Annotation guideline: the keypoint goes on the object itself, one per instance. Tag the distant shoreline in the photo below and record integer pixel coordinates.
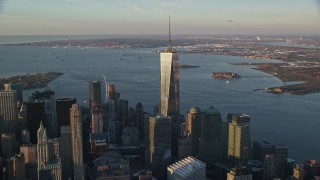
(31, 80)
(286, 74)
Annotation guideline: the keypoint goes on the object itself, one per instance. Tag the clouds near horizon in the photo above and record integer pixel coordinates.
(150, 17)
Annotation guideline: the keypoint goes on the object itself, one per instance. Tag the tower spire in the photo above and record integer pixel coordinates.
(169, 31)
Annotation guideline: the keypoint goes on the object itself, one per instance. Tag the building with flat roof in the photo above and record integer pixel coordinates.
(76, 141)
(187, 168)
(9, 110)
(94, 93)
(210, 150)
(63, 106)
(30, 152)
(158, 144)
(35, 114)
(15, 87)
(110, 165)
(239, 141)
(15, 167)
(8, 141)
(193, 126)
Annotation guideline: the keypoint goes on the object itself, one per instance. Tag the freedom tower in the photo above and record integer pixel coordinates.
(169, 80)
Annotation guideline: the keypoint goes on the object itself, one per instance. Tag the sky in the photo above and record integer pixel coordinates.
(116, 17)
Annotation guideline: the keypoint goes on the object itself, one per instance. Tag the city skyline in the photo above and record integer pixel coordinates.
(84, 17)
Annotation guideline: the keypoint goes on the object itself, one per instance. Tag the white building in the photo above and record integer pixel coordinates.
(188, 168)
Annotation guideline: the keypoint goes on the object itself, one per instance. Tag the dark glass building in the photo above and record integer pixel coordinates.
(63, 106)
(35, 114)
(94, 93)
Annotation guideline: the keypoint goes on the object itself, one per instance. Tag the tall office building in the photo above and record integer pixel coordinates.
(8, 141)
(169, 81)
(50, 121)
(63, 106)
(281, 156)
(96, 120)
(269, 166)
(139, 117)
(193, 126)
(54, 148)
(51, 116)
(158, 144)
(124, 112)
(111, 91)
(35, 114)
(98, 140)
(15, 87)
(30, 152)
(210, 149)
(187, 168)
(44, 164)
(261, 149)
(9, 110)
(16, 168)
(94, 93)
(66, 153)
(239, 143)
(76, 141)
(107, 113)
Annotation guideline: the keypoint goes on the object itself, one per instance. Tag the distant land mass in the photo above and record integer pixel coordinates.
(31, 80)
(300, 55)
(186, 66)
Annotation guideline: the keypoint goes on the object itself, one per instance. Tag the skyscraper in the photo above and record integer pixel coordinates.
(15, 87)
(94, 93)
(193, 126)
(76, 140)
(139, 115)
(15, 167)
(63, 106)
(8, 144)
(35, 114)
(239, 143)
(48, 98)
(210, 149)
(43, 155)
(169, 81)
(66, 153)
(9, 110)
(111, 91)
(96, 120)
(158, 144)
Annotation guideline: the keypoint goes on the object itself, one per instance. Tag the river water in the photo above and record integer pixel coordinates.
(288, 119)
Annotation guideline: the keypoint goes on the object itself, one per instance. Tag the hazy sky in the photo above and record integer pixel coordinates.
(60, 17)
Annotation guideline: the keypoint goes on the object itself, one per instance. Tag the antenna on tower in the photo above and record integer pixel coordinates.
(169, 31)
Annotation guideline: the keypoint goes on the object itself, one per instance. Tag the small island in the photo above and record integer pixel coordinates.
(186, 66)
(225, 75)
(31, 80)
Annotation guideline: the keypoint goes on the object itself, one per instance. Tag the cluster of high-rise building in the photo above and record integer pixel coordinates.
(49, 138)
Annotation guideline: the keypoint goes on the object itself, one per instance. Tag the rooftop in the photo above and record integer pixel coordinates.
(186, 166)
(194, 110)
(211, 110)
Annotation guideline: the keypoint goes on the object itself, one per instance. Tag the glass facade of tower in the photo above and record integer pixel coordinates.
(169, 83)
